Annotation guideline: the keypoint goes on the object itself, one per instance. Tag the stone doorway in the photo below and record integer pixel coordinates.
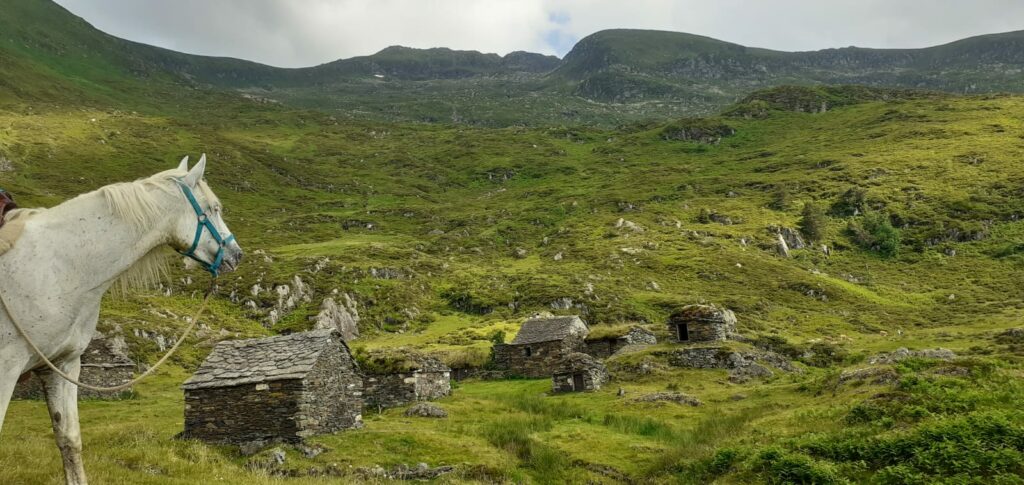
(577, 382)
(683, 332)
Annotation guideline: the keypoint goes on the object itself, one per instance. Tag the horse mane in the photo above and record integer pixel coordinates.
(136, 203)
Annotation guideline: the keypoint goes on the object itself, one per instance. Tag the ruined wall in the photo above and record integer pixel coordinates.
(433, 385)
(543, 359)
(104, 375)
(391, 390)
(245, 413)
(332, 398)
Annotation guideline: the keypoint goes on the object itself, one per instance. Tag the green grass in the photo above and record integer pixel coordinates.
(446, 207)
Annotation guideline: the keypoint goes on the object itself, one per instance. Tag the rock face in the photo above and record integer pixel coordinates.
(903, 353)
(426, 410)
(606, 347)
(792, 238)
(702, 323)
(104, 363)
(343, 317)
(428, 379)
(578, 372)
(273, 389)
(781, 246)
(874, 375)
(541, 345)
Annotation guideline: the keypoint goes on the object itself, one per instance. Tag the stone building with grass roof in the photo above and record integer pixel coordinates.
(281, 388)
(605, 342)
(396, 377)
(701, 323)
(541, 344)
(579, 372)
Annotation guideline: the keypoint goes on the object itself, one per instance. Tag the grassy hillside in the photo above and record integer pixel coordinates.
(447, 235)
(447, 210)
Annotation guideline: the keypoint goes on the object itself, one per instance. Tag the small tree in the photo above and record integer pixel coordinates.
(813, 222)
(876, 232)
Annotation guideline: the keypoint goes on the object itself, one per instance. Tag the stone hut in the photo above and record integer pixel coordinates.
(282, 388)
(579, 372)
(390, 380)
(541, 344)
(701, 323)
(607, 345)
(104, 363)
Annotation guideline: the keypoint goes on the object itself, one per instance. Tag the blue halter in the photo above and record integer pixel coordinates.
(203, 221)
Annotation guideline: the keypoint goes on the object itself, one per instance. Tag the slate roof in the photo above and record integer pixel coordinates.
(547, 329)
(237, 362)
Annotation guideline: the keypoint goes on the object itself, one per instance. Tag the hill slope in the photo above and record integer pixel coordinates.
(609, 78)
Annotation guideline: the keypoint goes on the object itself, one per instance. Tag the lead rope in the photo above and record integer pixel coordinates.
(121, 387)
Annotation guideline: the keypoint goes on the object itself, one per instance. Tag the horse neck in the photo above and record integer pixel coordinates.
(97, 245)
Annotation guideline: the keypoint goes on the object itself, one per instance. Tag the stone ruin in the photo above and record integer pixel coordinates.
(104, 363)
(390, 382)
(579, 372)
(604, 347)
(542, 343)
(701, 323)
(274, 389)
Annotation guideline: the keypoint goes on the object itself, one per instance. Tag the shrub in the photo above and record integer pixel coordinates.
(813, 222)
(851, 203)
(876, 233)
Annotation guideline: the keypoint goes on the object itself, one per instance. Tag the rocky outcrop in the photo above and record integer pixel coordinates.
(344, 316)
(669, 396)
(903, 353)
(743, 365)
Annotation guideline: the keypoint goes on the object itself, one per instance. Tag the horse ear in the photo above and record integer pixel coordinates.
(196, 174)
(183, 166)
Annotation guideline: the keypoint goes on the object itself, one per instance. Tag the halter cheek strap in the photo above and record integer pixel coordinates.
(203, 222)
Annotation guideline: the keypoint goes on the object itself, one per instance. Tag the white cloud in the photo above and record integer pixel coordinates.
(301, 33)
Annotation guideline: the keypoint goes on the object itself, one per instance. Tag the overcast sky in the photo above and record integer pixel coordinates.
(295, 33)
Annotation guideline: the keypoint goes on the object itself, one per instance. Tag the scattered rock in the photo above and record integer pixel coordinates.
(311, 451)
(903, 353)
(737, 397)
(669, 396)
(426, 410)
(558, 256)
(629, 225)
(874, 375)
(747, 372)
(1011, 336)
(653, 286)
(519, 253)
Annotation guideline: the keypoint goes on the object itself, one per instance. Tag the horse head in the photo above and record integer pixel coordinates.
(200, 232)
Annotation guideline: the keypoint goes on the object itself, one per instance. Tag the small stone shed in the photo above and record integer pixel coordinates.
(579, 372)
(701, 323)
(104, 363)
(282, 388)
(607, 345)
(541, 344)
(390, 380)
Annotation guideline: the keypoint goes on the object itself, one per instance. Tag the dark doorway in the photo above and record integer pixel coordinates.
(529, 351)
(577, 382)
(682, 332)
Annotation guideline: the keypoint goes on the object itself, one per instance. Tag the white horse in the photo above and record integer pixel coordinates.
(68, 256)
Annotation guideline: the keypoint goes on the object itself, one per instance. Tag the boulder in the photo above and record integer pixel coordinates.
(426, 410)
(669, 396)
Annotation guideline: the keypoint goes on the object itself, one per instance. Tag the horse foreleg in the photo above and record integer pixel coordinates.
(62, 399)
(7, 382)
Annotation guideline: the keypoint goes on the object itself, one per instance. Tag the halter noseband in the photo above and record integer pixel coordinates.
(203, 221)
